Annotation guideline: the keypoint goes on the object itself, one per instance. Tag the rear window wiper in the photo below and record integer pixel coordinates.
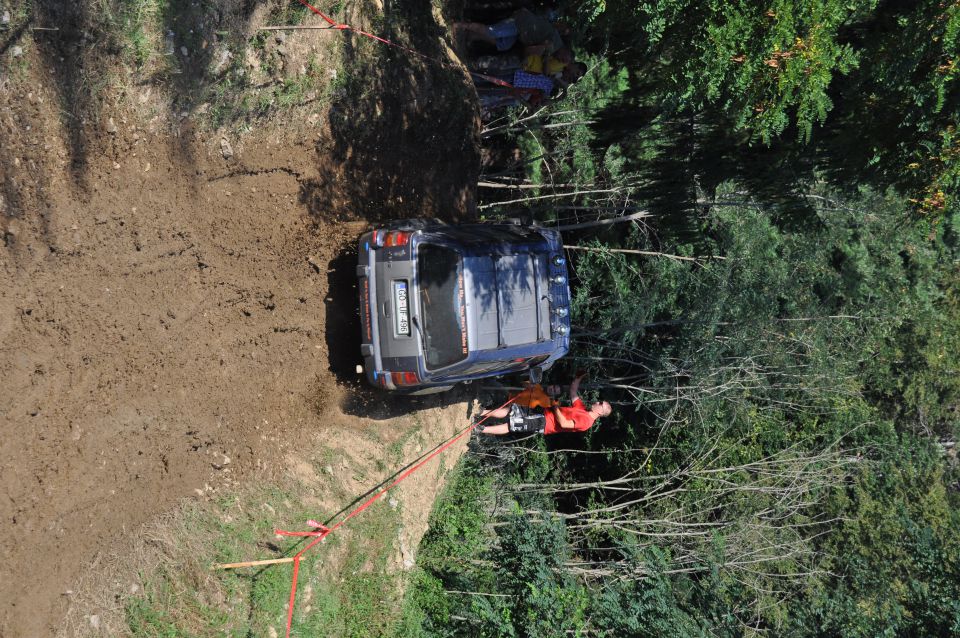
(416, 324)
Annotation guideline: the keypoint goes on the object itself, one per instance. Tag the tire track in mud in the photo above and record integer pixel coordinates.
(172, 309)
(153, 325)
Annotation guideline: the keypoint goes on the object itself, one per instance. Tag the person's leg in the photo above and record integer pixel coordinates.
(497, 430)
(498, 413)
(475, 30)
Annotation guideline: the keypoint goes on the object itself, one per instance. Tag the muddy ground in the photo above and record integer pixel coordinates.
(176, 309)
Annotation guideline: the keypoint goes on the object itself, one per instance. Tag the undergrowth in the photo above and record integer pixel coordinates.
(346, 587)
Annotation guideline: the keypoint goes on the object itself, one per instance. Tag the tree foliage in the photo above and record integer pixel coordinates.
(779, 331)
(774, 464)
(866, 91)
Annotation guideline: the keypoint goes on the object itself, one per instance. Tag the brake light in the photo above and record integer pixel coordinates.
(396, 238)
(404, 378)
(391, 238)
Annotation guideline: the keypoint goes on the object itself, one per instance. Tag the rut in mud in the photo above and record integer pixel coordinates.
(172, 315)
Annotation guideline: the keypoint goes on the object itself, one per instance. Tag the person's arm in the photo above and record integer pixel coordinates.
(562, 420)
(575, 385)
(535, 49)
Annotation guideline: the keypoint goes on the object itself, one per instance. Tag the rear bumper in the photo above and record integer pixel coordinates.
(367, 289)
(371, 349)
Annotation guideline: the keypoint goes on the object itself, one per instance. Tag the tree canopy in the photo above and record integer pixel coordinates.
(778, 329)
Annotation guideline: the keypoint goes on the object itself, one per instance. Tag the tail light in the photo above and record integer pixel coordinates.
(391, 238)
(404, 378)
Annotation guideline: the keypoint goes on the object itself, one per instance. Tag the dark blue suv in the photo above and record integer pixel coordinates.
(442, 304)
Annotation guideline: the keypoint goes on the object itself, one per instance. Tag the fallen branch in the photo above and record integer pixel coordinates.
(253, 563)
(529, 186)
(512, 128)
(635, 252)
(605, 222)
(553, 196)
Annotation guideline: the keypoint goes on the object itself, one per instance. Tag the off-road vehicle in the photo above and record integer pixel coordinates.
(442, 304)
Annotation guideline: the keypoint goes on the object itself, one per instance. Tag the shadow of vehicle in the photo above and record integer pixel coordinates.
(343, 319)
(381, 405)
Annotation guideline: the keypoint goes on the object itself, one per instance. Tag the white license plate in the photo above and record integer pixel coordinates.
(400, 308)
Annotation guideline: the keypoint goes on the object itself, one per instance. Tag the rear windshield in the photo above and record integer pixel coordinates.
(440, 278)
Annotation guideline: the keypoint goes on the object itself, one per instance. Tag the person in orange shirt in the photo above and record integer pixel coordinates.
(551, 419)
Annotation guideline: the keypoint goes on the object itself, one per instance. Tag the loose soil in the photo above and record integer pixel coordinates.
(173, 321)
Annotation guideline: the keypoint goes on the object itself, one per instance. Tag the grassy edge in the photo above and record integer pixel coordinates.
(347, 585)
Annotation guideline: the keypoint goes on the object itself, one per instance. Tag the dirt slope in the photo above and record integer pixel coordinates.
(169, 317)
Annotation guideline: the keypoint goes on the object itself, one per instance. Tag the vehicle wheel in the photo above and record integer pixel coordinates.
(433, 390)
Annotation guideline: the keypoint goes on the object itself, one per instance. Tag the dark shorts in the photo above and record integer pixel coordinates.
(526, 421)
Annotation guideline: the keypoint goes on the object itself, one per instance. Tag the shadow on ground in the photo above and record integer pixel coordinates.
(403, 127)
(84, 50)
(343, 319)
(402, 143)
(79, 46)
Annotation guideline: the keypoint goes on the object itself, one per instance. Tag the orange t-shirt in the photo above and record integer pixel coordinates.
(533, 396)
(578, 413)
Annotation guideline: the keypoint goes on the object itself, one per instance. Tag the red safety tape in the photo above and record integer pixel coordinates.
(346, 27)
(321, 531)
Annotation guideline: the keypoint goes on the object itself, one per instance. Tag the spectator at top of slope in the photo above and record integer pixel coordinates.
(522, 87)
(501, 64)
(535, 31)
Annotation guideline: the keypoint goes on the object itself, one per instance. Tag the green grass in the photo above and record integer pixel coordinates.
(457, 534)
(145, 619)
(138, 21)
(238, 100)
(288, 12)
(19, 11)
(395, 451)
(17, 67)
(348, 584)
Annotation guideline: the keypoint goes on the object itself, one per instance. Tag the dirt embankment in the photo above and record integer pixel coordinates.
(175, 312)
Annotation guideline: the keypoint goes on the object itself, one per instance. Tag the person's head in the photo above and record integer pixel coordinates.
(602, 408)
(574, 71)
